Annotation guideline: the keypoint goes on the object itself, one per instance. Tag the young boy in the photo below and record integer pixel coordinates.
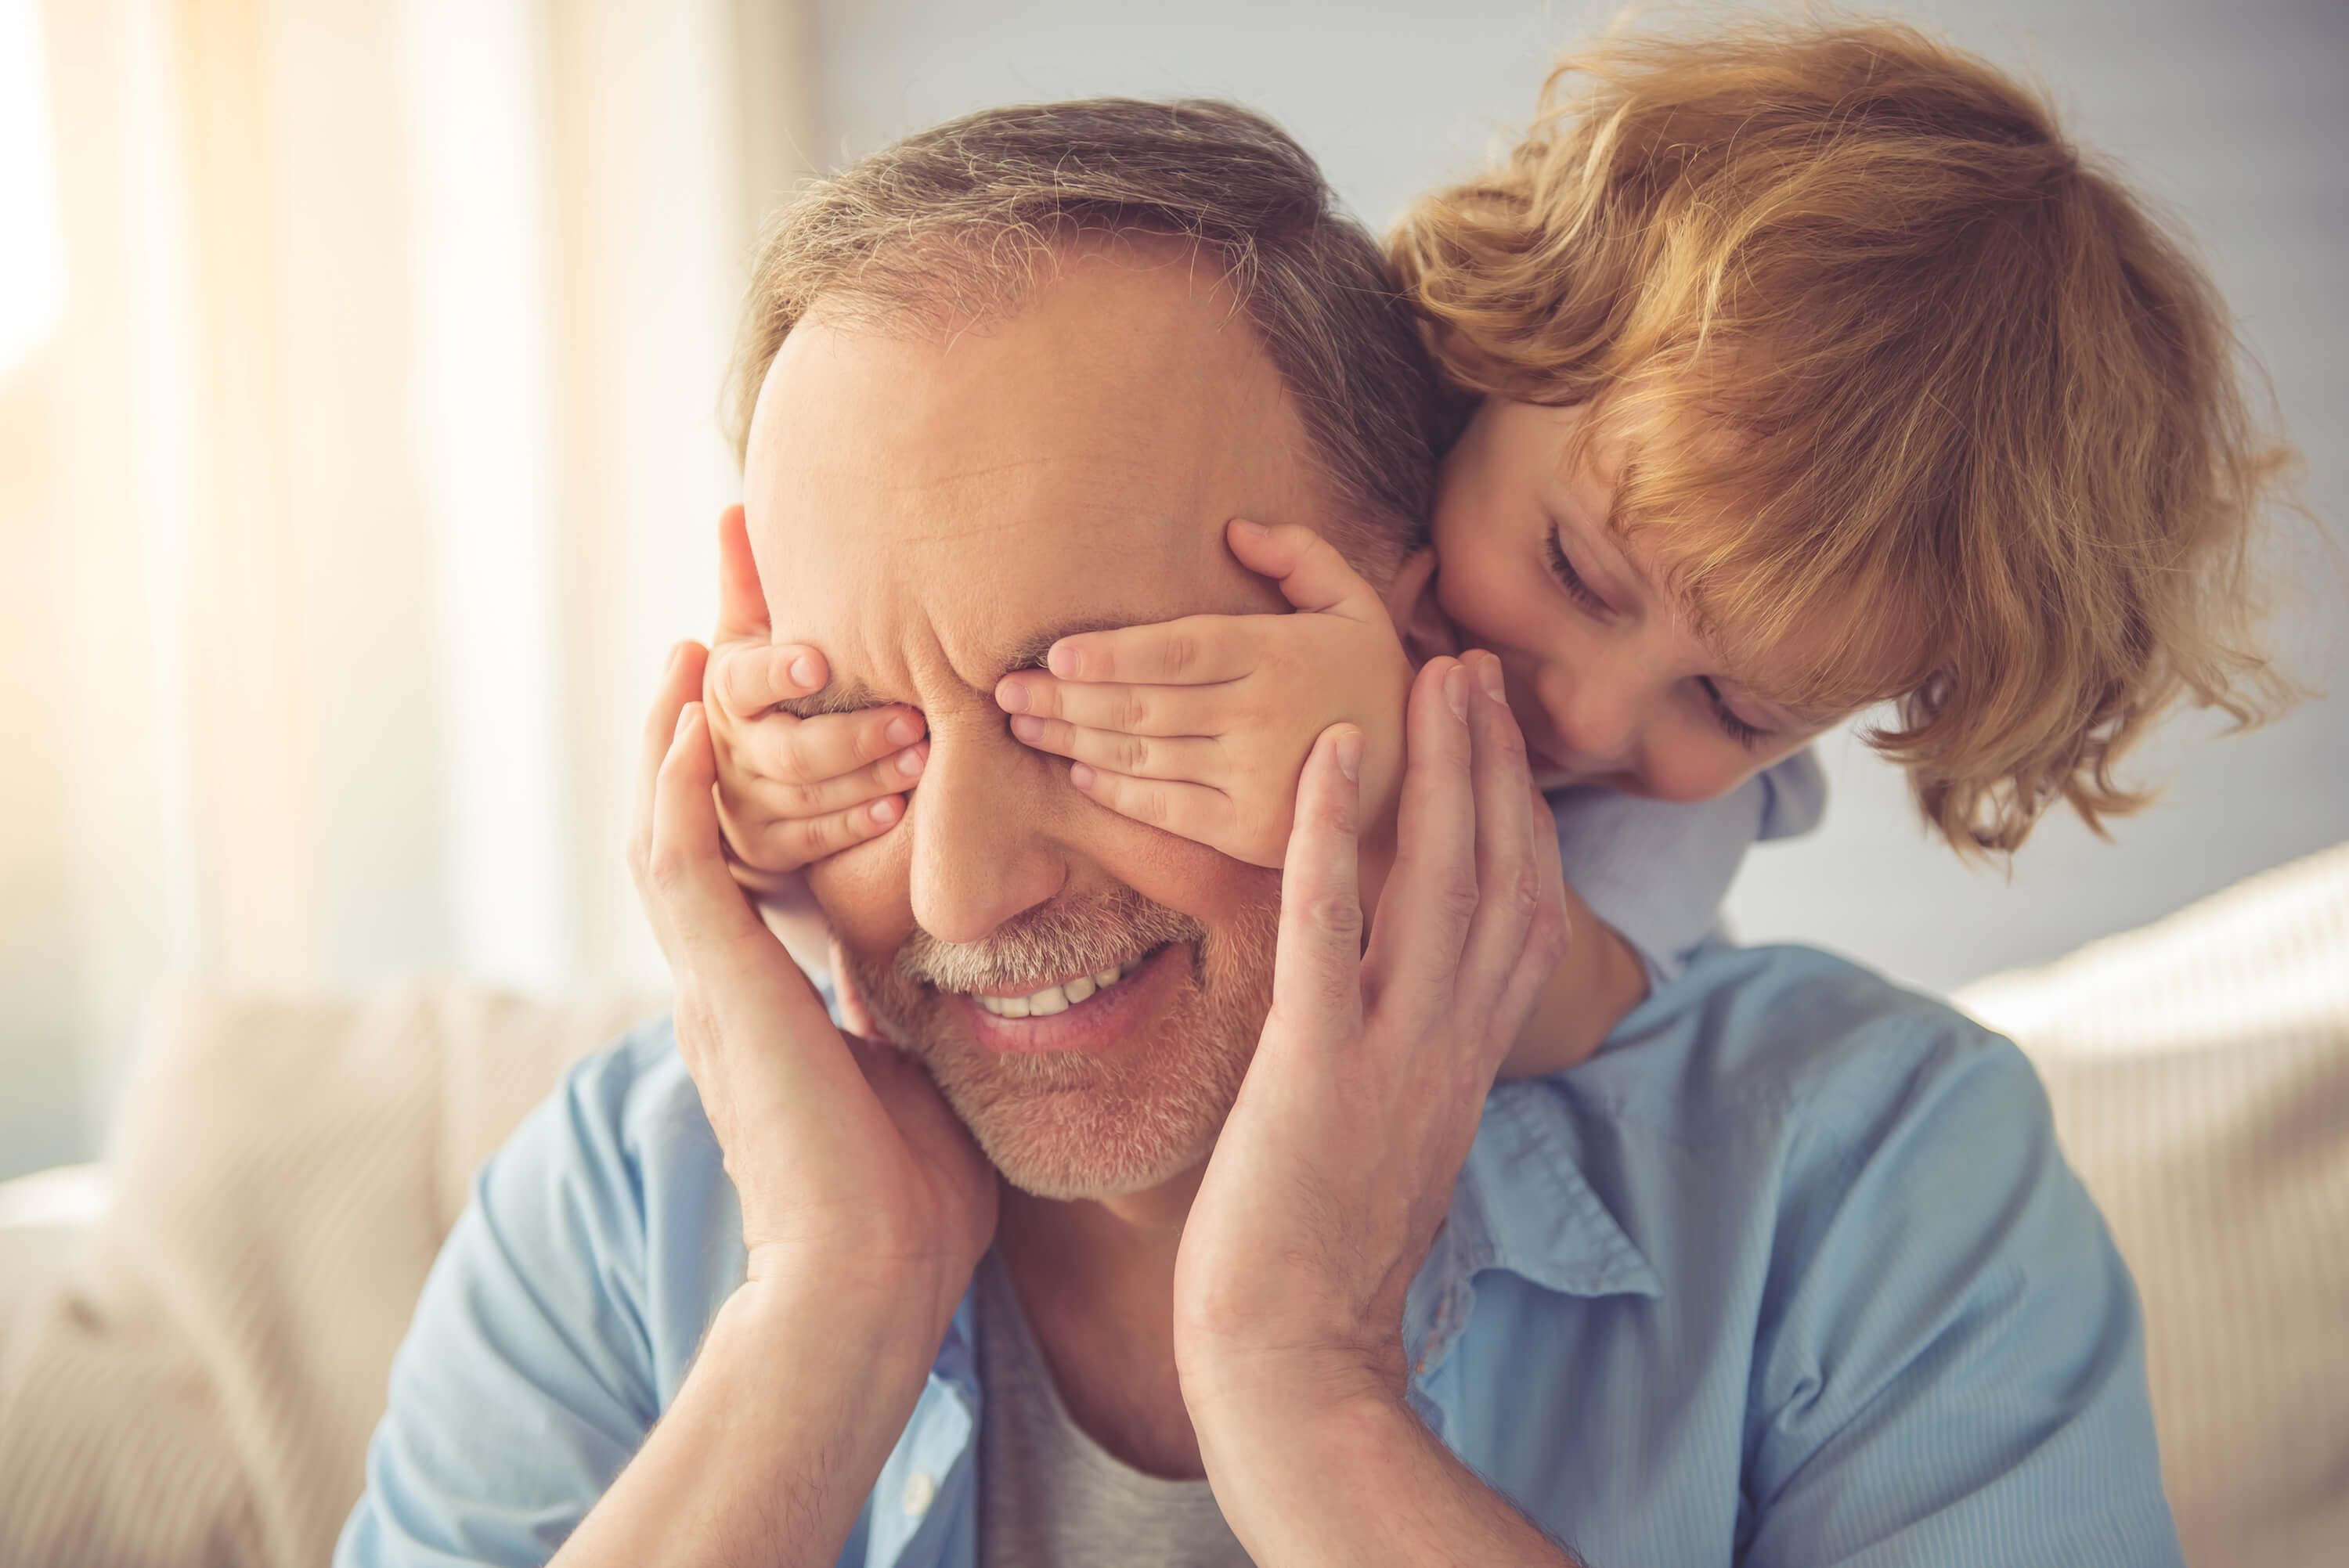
(1804, 369)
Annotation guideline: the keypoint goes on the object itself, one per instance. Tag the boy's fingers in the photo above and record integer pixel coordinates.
(1312, 574)
(771, 798)
(784, 750)
(1191, 811)
(742, 603)
(1184, 759)
(802, 840)
(1196, 650)
(1129, 709)
(1317, 967)
(747, 679)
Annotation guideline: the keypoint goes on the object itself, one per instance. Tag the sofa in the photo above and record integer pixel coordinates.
(194, 1334)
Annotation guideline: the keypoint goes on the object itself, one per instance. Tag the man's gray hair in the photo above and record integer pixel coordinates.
(953, 222)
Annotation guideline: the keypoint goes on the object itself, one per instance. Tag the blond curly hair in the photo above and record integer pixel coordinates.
(1878, 336)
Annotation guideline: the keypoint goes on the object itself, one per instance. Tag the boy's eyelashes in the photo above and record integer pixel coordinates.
(1736, 728)
(1576, 589)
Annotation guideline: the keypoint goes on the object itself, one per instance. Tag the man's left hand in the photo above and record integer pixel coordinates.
(1335, 1166)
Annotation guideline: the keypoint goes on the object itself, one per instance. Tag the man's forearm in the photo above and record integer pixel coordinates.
(1360, 1483)
(793, 1406)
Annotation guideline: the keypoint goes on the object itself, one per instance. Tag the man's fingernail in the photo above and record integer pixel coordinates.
(1488, 670)
(1065, 662)
(909, 761)
(1455, 691)
(902, 731)
(1349, 755)
(1250, 525)
(804, 673)
(1011, 696)
(1081, 775)
(684, 718)
(884, 809)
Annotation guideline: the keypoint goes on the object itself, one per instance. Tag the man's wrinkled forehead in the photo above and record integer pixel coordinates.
(985, 489)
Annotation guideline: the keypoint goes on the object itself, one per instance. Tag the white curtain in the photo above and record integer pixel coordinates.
(371, 463)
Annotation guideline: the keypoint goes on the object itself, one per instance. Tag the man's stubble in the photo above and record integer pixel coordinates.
(1065, 1124)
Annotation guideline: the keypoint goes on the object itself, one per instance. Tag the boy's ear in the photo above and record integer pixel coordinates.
(1426, 632)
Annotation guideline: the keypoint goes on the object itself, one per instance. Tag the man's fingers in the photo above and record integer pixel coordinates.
(784, 751)
(1131, 709)
(1312, 574)
(746, 679)
(1198, 650)
(680, 678)
(1432, 894)
(741, 603)
(1182, 758)
(1509, 882)
(1316, 969)
(685, 880)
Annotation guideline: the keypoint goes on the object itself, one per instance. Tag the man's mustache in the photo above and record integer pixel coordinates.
(1068, 936)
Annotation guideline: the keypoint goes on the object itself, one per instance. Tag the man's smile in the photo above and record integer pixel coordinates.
(1090, 1013)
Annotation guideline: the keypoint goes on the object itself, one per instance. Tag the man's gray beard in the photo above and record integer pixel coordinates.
(1063, 1124)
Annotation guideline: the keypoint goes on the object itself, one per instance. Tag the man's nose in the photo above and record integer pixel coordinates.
(978, 855)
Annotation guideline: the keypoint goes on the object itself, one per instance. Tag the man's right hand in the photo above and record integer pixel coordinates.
(866, 1206)
(841, 1151)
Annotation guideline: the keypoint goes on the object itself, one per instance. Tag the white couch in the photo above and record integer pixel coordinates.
(193, 1342)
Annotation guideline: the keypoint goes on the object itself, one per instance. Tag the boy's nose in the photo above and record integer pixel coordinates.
(977, 857)
(1598, 718)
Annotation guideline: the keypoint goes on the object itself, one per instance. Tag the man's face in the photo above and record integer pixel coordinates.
(933, 510)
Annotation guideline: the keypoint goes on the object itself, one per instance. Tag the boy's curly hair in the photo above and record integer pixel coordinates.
(1943, 369)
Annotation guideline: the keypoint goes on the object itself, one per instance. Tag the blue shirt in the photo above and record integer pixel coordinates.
(1790, 1273)
(1656, 871)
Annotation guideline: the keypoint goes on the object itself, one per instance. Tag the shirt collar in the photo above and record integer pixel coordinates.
(1521, 1205)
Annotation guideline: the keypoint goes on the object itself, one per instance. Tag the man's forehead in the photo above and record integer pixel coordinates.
(1070, 467)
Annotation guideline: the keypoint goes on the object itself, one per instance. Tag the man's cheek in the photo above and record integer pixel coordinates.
(865, 895)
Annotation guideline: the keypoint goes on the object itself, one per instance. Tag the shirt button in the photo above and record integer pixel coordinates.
(921, 1491)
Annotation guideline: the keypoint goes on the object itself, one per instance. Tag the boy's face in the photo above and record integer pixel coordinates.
(1609, 682)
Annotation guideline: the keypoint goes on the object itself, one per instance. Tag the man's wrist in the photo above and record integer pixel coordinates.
(1341, 1471)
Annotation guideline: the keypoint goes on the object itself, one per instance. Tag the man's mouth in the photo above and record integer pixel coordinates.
(1092, 1014)
(1045, 1001)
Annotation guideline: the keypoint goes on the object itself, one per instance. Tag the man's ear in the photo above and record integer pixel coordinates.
(1426, 632)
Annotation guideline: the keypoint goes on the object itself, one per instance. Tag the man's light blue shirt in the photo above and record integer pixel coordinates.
(1791, 1272)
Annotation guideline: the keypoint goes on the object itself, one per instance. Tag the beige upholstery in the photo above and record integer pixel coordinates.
(192, 1379)
(2200, 1072)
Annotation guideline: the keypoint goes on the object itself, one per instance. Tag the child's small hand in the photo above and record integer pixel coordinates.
(1201, 726)
(792, 791)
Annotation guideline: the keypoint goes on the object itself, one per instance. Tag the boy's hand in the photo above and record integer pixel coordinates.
(791, 789)
(1201, 726)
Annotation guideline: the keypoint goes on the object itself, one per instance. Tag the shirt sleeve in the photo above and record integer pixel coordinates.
(525, 1382)
(1952, 1364)
(1656, 871)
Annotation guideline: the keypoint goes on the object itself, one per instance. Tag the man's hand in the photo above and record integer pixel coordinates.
(792, 791)
(1337, 1165)
(865, 1205)
(843, 1152)
(1200, 725)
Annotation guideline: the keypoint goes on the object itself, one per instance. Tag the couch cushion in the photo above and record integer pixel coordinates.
(2199, 1073)
(196, 1380)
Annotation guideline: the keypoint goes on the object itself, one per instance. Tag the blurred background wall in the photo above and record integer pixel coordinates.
(358, 362)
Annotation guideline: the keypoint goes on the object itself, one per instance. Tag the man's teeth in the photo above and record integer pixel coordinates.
(1058, 998)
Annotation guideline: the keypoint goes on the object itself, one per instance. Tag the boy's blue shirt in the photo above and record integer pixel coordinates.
(1656, 871)
(1791, 1272)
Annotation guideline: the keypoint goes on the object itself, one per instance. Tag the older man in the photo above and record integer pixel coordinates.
(1230, 1255)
